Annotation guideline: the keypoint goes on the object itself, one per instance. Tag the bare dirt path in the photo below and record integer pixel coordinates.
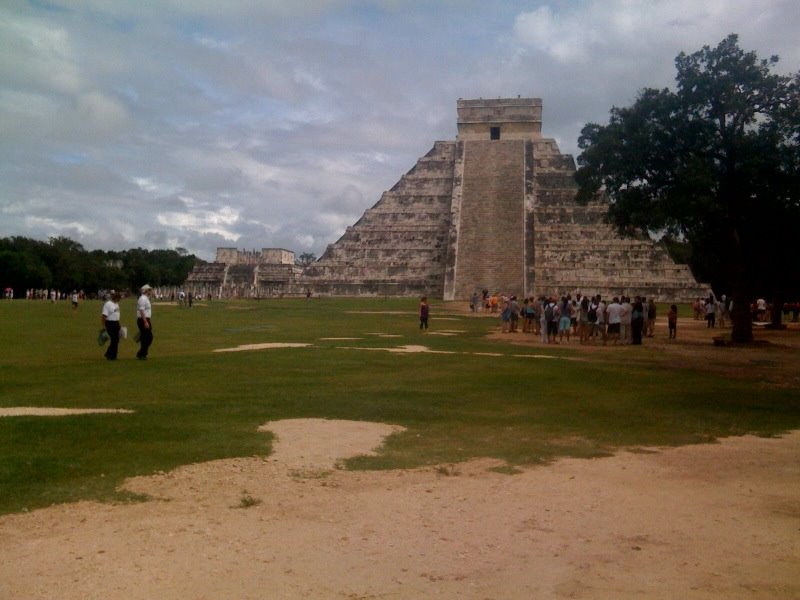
(710, 521)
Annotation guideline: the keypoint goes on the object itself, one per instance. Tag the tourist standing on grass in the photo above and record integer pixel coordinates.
(625, 320)
(592, 318)
(637, 321)
(530, 314)
(565, 318)
(543, 319)
(523, 313)
(646, 311)
(424, 312)
(143, 322)
(600, 325)
(583, 320)
(505, 316)
(110, 320)
(698, 309)
(614, 312)
(651, 318)
(551, 311)
(711, 312)
(513, 314)
(672, 321)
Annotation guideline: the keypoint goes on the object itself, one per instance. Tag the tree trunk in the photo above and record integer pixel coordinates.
(742, 332)
(777, 312)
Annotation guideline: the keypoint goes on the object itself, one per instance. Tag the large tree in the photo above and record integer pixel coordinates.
(714, 163)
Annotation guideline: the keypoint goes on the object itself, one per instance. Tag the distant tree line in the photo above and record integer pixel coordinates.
(65, 265)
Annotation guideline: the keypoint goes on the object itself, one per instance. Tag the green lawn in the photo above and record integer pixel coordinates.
(192, 404)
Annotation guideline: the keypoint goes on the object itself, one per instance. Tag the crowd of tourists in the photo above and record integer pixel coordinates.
(52, 295)
(621, 320)
(760, 310)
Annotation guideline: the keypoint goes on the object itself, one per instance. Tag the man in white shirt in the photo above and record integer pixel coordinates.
(614, 313)
(110, 319)
(143, 322)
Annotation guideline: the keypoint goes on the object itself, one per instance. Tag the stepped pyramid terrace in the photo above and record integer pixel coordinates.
(495, 209)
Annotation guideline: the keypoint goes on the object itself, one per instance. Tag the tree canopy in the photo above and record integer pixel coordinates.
(715, 163)
(64, 264)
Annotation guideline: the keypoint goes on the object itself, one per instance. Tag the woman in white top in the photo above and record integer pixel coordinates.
(110, 319)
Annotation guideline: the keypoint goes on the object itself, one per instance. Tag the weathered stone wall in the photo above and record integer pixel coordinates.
(276, 256)
(398, 247)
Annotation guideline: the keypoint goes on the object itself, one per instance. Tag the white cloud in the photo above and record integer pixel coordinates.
(279, 122)
(100, 111)
(37, 55)
(562, 39)
(305, 241)
(203, 221)
(211, 43)
(606, 31)
(57, 227)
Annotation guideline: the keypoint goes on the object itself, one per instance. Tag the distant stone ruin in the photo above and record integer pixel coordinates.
(245, 274)
(494, 210)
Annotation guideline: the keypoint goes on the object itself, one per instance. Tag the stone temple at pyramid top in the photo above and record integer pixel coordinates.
(500, 119)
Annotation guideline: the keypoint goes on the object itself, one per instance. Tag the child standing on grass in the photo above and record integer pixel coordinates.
(424, 310)
(672, 320)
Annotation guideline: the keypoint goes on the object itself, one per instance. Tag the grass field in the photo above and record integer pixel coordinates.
(192, 404)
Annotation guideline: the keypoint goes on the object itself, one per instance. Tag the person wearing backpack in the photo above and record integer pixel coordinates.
(551, 314)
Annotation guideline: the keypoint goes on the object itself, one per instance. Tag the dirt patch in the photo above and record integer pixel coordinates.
(320, 443)
(264, 346)
(43, 411)
(385, 335)
(409, 349)
(714, 521)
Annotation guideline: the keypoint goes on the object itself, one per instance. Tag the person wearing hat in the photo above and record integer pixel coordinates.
(143, 322)
(110, 320)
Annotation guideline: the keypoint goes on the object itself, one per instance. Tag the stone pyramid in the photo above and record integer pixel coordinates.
(493, 210)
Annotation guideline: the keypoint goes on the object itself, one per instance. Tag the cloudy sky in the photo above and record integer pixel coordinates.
(276, 123)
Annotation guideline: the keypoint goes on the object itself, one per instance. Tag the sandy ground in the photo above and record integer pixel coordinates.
(710, 521)
(716, 521)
